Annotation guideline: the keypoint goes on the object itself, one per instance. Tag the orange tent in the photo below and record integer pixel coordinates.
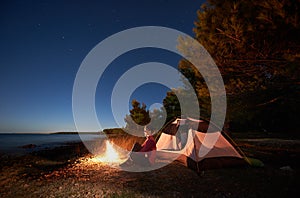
(188, 141)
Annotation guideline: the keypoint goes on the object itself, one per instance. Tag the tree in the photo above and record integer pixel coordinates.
(172, 106)
(158, 118)
(138, 118)
(257, 49)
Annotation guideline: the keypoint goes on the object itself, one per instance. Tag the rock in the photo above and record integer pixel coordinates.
(286, 168)
(26, 185)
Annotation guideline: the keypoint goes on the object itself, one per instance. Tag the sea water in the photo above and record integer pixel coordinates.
(13, 143)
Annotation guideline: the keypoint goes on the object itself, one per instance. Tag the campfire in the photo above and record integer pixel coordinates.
(111, 155)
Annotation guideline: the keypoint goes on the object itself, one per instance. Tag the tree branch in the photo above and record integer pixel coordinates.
(258, 60)
(229, 36)
(269, 102)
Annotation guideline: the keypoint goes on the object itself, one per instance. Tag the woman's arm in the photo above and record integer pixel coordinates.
(148, 146)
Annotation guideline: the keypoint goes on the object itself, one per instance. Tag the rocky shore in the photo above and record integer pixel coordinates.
(68, 171)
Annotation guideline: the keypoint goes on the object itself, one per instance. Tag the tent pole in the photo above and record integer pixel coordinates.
(232, 142)
(197, 164)
(162, 129)
(240, 150)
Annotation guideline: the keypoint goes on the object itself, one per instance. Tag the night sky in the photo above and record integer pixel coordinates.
(44, 42)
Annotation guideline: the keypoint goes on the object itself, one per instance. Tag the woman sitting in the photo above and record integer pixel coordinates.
(143, 154)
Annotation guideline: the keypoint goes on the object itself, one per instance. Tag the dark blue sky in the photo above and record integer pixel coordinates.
(44, 42)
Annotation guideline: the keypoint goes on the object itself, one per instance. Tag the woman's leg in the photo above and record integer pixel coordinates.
(136, 147)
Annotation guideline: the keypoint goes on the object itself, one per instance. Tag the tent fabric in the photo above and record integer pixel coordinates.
(168, 142)
(197, 149)
(171, 142)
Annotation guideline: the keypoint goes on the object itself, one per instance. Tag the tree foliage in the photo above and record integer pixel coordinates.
(139, 117)
(172, 106)
(256, 47)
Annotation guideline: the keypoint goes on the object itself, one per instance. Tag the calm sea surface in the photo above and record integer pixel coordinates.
(12, 143)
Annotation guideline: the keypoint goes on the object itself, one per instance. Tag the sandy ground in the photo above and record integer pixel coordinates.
(69, 172)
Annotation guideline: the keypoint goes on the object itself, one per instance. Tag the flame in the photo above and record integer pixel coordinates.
(111, 155)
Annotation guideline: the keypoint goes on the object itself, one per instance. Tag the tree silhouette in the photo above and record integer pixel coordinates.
(139, 117)
(256, 47)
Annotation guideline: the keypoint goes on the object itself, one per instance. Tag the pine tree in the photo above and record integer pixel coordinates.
(138, 118)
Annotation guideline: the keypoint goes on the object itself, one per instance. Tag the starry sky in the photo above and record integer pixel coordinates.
(43, 44)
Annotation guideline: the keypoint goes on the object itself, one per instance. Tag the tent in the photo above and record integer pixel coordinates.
(189, 142)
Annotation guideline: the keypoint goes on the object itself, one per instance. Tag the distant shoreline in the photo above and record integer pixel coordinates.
(89, 133)
(51, 133)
